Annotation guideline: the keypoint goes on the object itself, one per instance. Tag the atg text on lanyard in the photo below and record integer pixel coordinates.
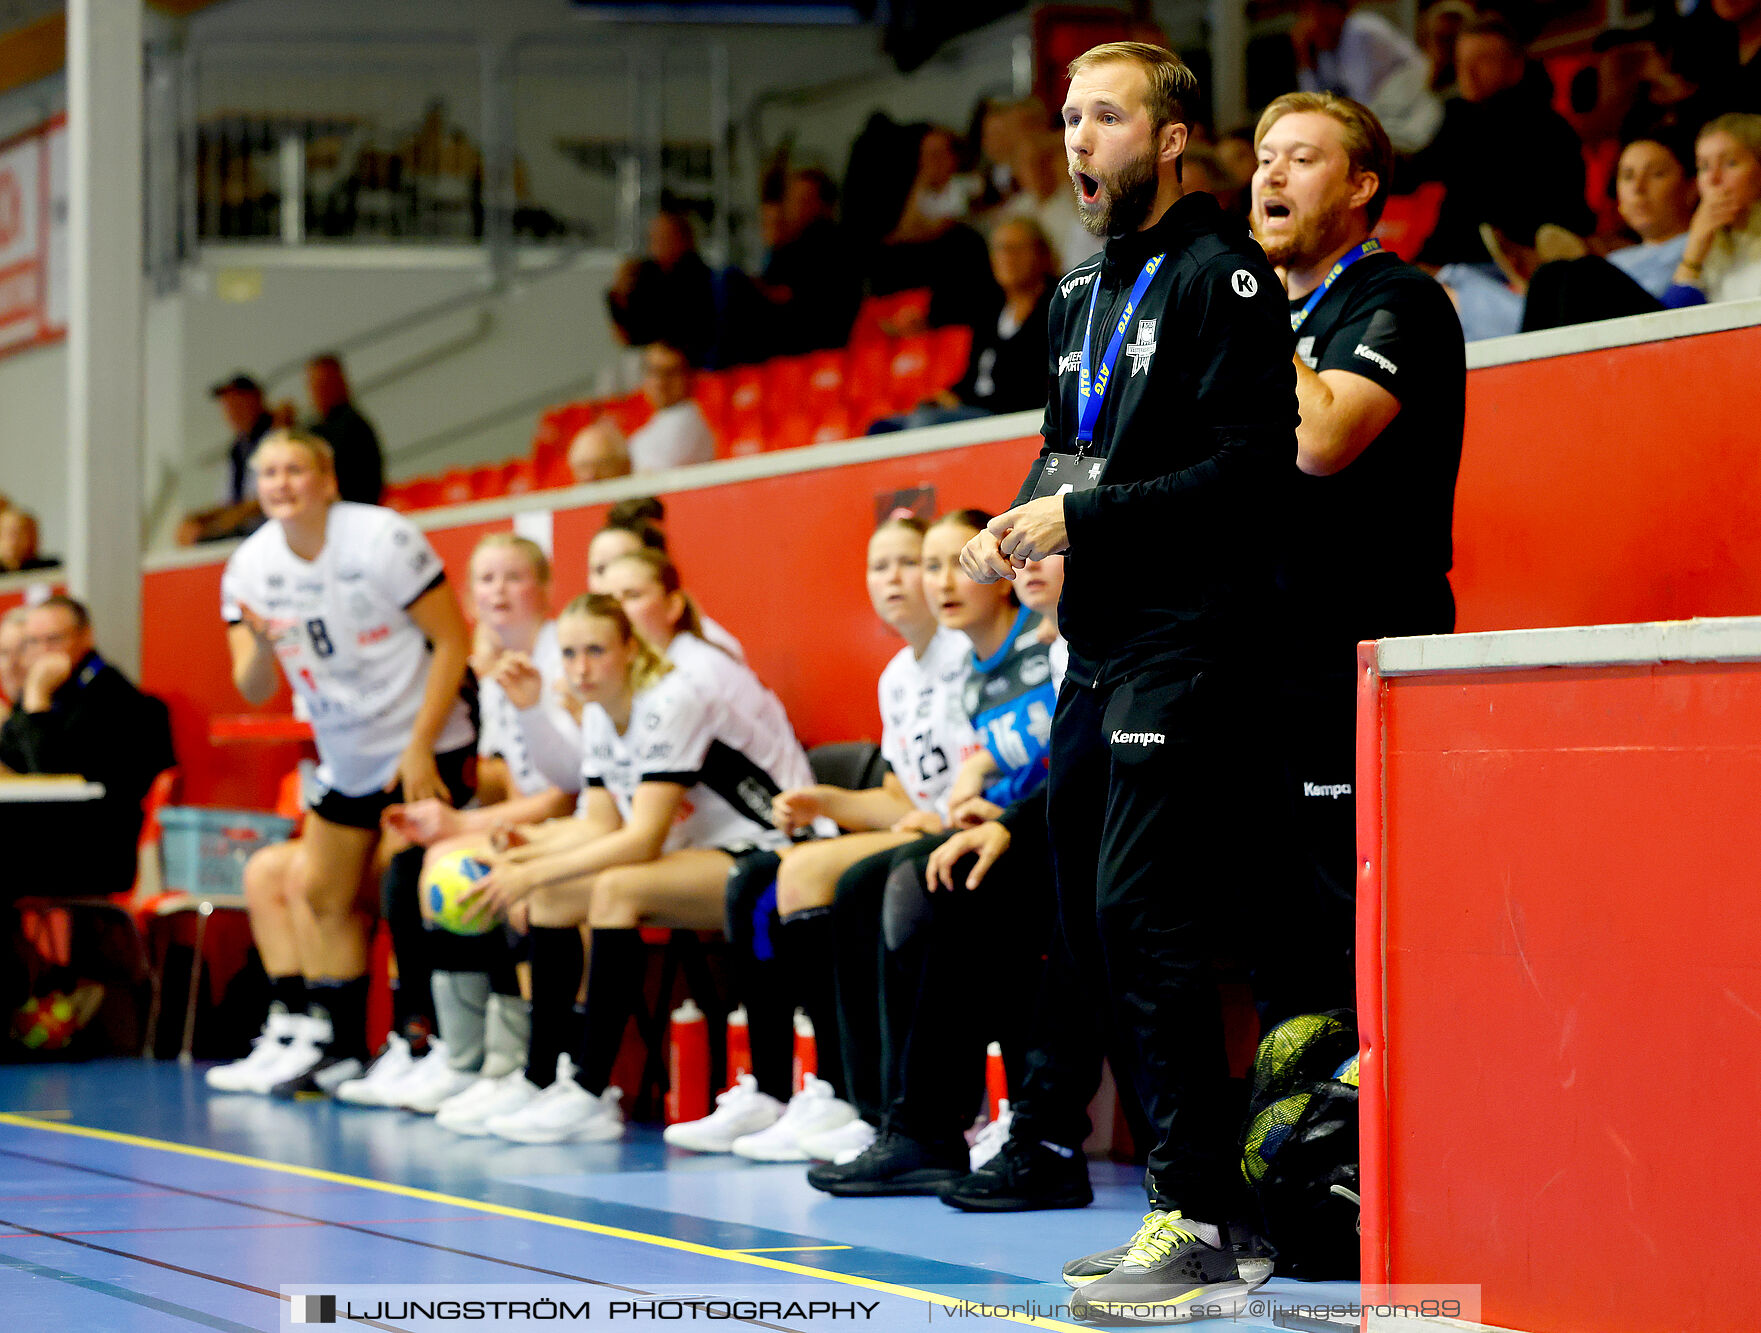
(1346, 260)
(1091, 387)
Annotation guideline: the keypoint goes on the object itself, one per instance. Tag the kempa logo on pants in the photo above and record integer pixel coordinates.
(1139, 738)
(1333, 789)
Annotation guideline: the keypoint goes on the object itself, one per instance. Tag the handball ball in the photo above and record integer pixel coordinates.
(45, 1022)
(444, 880)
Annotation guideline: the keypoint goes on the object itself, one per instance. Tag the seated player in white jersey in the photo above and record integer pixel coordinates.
(646, 584)
(676, 789)
(483, 1021)
(924, 737)
(640, 532)
(354, 604)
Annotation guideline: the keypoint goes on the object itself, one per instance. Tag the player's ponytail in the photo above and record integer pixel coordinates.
(647, 666)
(660, 565)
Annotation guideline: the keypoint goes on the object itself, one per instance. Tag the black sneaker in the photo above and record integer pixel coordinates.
(321, 1080)
(892, 1164)
(1169, 1275)
(1022, 1178)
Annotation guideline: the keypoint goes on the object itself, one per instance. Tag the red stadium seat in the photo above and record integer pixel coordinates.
(949, 350)
(518, 476)
(396, 496)
(713, 389)
(455, 486)
(827, 375)
(746, 438)
(551, 470)
(897, 312)
(423, 492)
(833, 422)
(908, 372)
(486, 481)
(866, 388)
(793, 429)
(1408, 219)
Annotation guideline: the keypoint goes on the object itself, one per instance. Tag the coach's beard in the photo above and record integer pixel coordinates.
(1124, 200)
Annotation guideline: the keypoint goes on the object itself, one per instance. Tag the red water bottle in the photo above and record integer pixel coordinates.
(739, 1046)
(687, 1064)
(806, 1050)
(996, 1079)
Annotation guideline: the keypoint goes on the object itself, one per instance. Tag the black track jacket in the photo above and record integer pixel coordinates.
(1171, 554)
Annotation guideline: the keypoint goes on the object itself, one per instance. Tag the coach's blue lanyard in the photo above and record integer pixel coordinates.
(1089, 389)
(1346, 260)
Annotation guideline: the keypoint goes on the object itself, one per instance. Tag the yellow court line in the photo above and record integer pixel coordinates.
(503, 1210)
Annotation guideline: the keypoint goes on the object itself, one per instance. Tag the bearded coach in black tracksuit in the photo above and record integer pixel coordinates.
(1169, 515)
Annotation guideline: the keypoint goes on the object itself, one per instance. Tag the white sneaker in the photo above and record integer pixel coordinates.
(739, 1111)
(565, 1112)
(992, 1137)
(813, 1110)
(301, 1055)
(267, 1048)
(428, 1082)
(844, 1144)
(470, 1112)
(370, 1089)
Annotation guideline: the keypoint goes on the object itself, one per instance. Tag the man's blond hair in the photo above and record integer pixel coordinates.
(1366, 142)
(1173, 87)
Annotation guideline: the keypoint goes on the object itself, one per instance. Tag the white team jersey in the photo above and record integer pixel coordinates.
(679, 732)
(502, 733)
(344, 637)
(925, 731)
(748, 699)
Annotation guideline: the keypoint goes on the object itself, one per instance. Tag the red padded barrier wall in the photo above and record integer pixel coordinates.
(1570, 1002)
(1612, 487)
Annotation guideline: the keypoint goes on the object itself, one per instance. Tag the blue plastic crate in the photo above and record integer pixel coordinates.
(205, 851)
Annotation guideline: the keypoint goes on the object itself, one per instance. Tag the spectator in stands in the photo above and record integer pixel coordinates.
(12, 659)
(1202, 171)
(1000, 128)
(1722, 258)
(360, 462)
(599, 451)
(1561, 282)
(811, 284)
(1507, 160)
(669, 296)
(18, 543)
(241, 401)
(1007, 369)
(1341, 48)
(1735, 55)
(677, 434)
(75, 714)
(1047, 196)
(1439, 26)
(929, 247)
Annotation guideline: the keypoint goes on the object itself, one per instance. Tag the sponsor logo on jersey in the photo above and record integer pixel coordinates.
(374, 635)
(1332, 790)
(276, 581)
(1068, 362)
(1377, 358)
(1035, 669)
(1139, 738)
(1243, 283)
(1305, 351)
(350, 574)
(1144, 348)
(1070, 284)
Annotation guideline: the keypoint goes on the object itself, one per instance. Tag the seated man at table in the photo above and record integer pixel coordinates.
(76, 715)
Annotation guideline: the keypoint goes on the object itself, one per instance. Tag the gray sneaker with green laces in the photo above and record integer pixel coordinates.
(1165, 1274)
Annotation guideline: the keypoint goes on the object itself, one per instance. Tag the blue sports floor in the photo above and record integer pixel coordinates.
(131, 1197)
